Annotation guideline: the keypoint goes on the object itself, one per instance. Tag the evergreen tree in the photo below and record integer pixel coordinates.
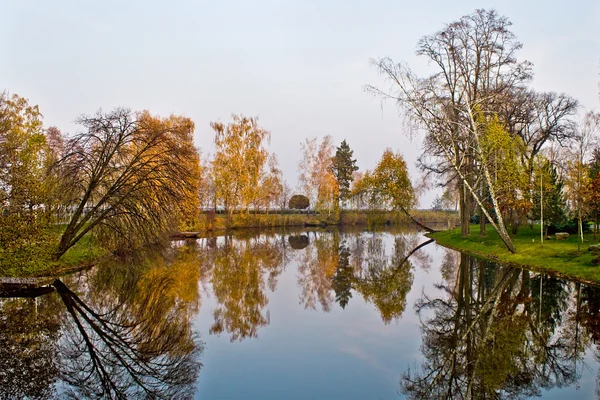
(553, 199)
(343, 167)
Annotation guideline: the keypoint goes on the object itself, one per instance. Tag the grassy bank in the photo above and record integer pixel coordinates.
(559, 258)
(36, 260)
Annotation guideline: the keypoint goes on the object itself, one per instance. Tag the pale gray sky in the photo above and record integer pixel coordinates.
(298, 65)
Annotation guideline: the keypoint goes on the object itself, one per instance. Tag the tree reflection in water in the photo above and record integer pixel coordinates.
(386, 280)
(488, 331)
(129, 335)
(241, 270)
(496, 332)
(316, 266)
(29, 330)
(343, 263)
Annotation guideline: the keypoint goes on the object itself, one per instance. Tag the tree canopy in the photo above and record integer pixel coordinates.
(131, 177)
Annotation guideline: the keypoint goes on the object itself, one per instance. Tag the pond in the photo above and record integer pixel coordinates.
(321, 314)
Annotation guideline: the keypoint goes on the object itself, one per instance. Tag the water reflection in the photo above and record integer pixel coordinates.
(385, 280)
(381, 301)
(497, 332)
(298, 242)
(127, 336)
(29, 331)
(241, 271)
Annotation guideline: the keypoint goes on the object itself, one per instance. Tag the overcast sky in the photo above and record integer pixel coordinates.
(300, 66)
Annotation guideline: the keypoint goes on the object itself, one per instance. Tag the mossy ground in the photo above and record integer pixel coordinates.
(560, 257)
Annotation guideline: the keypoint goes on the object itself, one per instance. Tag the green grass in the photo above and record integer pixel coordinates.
(35, 259)
(557, 257)
(84, 252)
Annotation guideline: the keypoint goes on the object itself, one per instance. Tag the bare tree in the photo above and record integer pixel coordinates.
(476, 64)
(130, 176)
(538, 118)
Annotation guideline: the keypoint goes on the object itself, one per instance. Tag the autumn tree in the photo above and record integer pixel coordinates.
(131, 177)
(475, 67)
(391, 182)
(343, 167)
(26, 185)
(271, 184)
(284, 198)
(578, 183)
(362, 192)
(316, 177)
(510, 179)
(239, 161)
(206, 192)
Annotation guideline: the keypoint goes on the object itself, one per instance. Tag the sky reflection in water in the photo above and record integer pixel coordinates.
(320, 314)
(311, 347)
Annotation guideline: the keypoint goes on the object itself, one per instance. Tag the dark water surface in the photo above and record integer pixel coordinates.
(303, 315)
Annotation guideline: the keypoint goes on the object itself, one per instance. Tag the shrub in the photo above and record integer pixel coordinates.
(299, 202)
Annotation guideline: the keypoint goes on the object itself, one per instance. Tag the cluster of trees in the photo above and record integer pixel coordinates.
(332, 180)
(127, 176)
(131, 177)
(489, 137)
(242, 174)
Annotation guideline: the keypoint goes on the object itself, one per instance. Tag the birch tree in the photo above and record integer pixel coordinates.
(317, 180)
(578, 182)
(476, 65)
(239, 161)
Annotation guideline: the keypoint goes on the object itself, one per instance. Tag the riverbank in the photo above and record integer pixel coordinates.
(555, 257)
(37, 260)
(40, 263)
(221, 222)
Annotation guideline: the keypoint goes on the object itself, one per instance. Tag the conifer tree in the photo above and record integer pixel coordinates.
(343, 167)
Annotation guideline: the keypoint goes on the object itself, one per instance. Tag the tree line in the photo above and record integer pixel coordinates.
(503, 151)
(242, 176)
(496, 145)
(130, 177)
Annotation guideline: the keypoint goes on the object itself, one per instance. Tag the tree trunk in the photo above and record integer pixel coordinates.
(579, 231)
(465, 211)
(482, 223)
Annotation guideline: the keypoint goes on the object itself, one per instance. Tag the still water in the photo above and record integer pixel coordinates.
(301, 315)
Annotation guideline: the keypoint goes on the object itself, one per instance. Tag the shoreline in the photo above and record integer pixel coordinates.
(86, 254)
(554, 258)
